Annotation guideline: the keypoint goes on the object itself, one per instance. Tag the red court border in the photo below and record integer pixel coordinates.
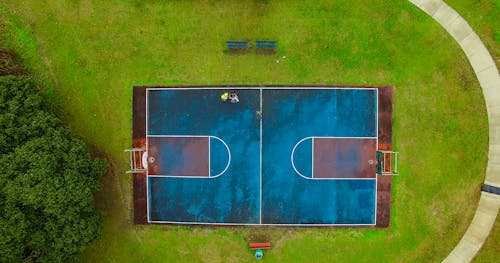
(384, 183)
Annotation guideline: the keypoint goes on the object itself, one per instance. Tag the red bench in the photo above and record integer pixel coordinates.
(255, 246)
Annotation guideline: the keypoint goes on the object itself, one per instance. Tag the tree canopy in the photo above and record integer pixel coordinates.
(47, 178)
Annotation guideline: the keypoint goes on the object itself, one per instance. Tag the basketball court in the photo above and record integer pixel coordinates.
(294, 156)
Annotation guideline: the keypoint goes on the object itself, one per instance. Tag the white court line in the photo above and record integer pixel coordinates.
(312, 158)
(376, 196)
(180, 136)
(182, 176)
(341, 137)
(260, 161)
(254, 224)
(376, 149)
(327, 137)
(340, 179)
(196, 136)
(376, 118)
(209, 158)
(263, 88)
(147, 170)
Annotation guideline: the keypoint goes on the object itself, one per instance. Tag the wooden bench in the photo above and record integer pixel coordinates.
(236, 44)
(265, 44)
(255, 246)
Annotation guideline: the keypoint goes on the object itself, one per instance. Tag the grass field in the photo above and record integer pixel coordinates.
(483, 17)
(89, 54)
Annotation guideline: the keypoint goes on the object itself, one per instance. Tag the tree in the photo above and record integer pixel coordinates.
(21, 114)
(47, 178)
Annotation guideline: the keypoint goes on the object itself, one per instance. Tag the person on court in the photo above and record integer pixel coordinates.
(224, 96)
(233, 97)
(259, 114)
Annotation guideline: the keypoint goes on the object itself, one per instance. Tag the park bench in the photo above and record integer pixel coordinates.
(236, 44)
(255, 246)
(266, 44)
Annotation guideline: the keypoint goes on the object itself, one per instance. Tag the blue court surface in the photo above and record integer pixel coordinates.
(280, 156)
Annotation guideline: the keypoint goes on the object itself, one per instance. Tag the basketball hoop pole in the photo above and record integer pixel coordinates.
(134, 166)
(387, 162)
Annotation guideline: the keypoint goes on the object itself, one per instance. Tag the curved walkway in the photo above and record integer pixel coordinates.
(487, 74)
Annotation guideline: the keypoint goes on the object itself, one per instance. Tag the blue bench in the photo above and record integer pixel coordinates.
(265, 44)
(236, 44)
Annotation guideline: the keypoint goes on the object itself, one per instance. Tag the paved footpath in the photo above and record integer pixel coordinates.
(487, 74)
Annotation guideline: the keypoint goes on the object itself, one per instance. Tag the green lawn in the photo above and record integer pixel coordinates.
(89, 54)
(483, 18)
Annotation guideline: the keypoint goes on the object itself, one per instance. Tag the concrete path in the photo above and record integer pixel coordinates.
(487, 74)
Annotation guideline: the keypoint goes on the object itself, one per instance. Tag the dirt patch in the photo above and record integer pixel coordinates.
(10, 63)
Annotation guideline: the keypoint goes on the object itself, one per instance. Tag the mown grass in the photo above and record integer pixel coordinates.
(89, 54)
(483, 18)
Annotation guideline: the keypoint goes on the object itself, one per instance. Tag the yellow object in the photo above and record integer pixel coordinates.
(224, 96)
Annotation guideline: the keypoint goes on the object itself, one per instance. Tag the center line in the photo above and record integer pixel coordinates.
(260, 203)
